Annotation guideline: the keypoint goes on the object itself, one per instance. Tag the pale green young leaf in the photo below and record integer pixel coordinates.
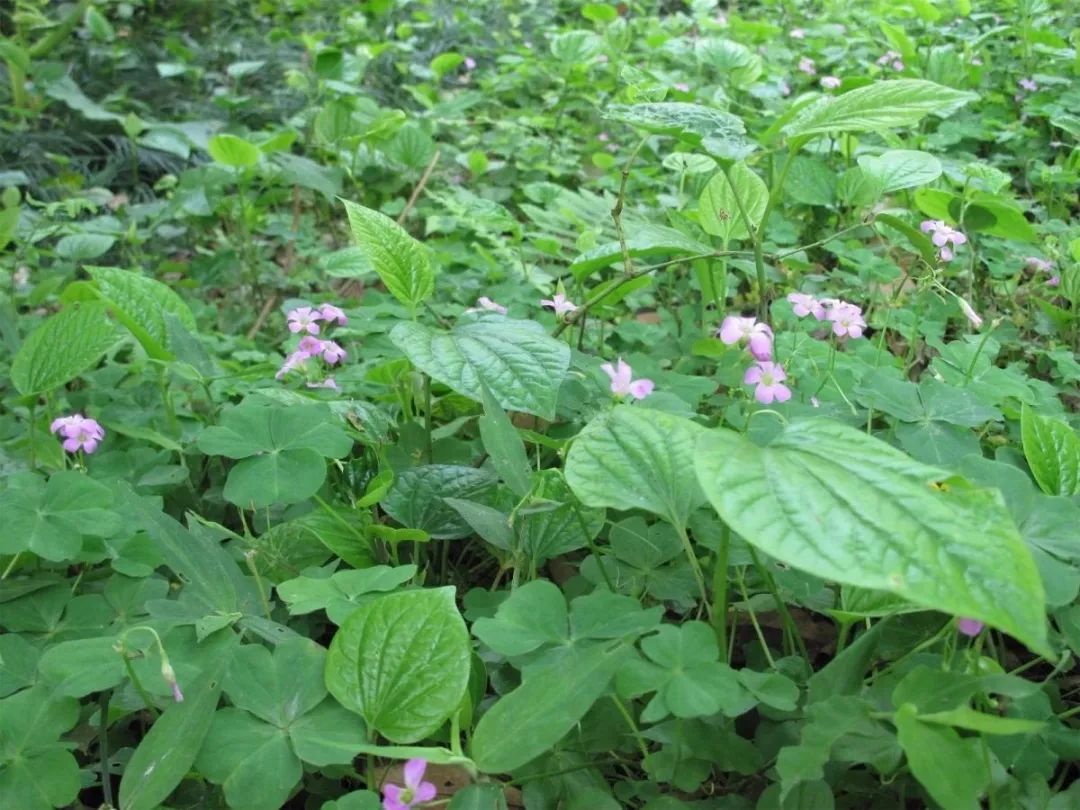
(402, 263)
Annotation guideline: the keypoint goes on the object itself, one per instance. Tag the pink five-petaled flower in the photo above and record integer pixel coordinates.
(79, 432)
(415, 791)
(329, 312)
(893, 57)
(311, 346)
(470, 63)
(622, 382)
(304, 319)
(803, 305)
(942, 236)
(483, 302)
(769, 378)
(806, 65)
(560, 303)
(332, 353)
(1043, 266)
(830, 82)
(1028, 84)
(682, 87)
(797, 33)
(758, 336)
(969, 627)
(846, 319)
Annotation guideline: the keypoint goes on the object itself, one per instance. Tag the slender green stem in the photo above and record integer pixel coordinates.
(103, 746)
(755, 239)
(754, 621)
(695, 566)
(149, 701)
(781, 605)
(720, 589)
(249, 558)
(428, 419)
(11, 565)
(975, 357)
(644, 749)
(616, 212)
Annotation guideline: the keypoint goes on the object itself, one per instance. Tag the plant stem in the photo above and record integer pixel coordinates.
(616, 212)
(781, 606)
(695, 566)
(755, 239)
(428, 419)
(633, 726)
(149, 701)
(103, 746)
(754, 622)
(720, 589)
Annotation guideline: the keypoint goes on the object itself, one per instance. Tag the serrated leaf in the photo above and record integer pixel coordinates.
(719, 202)
(141, 304)
(518, 361)
(402, 263)
(882, 105)
(415, 499)
(636, 458)
(65, 345)
(1052, 450)
(839, 504)
(902, 168)
(720, 133)
(402, 663)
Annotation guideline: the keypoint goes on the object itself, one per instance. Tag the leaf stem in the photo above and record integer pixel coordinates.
(781, 606)
(103, 746)
(616, 212)
(720, 590)
(644, 749)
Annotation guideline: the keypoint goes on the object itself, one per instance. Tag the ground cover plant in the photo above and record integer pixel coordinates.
(540, 404)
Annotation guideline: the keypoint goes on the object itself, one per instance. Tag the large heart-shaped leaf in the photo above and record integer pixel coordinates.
(415, 499)
(845, 506)
(63, 347)
(141, 304)
(402, 663)
(518, 361)
(719, 205)
(402, 263)
(1052, 450)
(636, 458)
(881, 105)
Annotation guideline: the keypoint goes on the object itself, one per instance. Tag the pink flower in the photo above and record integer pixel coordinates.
(332, 353)
(806, 65)
(797, 33)
(603, 137)
(1053, 281)
(311, 346)
(602, 58)
(897, 65)
(622, 383)
(830, 82)
(846, 319)
(329, 382)
(768, 377)
(483, 302)
(304, 319)
(470, 63)
(970, 313)
(415, 792)
(942, 236)
(79, 432)
(293, 361)
(891, 57)
(1038, 265)
(328, 312)
(682, 87)
(814, 401)
(758, 336)
(560, 303)
(803, 305)
(785, 88)
(1028, 84)
(170, 678)
(969, 627)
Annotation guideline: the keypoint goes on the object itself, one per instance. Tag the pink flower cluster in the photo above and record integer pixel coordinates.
(846, 318)
(893, 59)
(942, 236)
(830, 82)
(622, 381)
(79, 432)
(765, 374)
(307, 320)
(1043, 266)
(485, 304)
(807, 66)
(1030, 85)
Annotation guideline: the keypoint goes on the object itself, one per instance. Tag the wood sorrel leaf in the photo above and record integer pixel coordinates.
(636, 458)
(519, 362)
(844, 506)
(950, 767)
(402, 663)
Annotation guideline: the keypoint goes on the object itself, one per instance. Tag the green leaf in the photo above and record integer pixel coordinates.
(81, 247)
(402, 663)
(532, 616)
(233, 151)
(841, 505)
(342, 593)
(518, 361)
(642, 240)
(482, 796)
(65, 345)
(530, 720)
(141, 304)
(1052, 450)
(559, 524)
(328, 735)
(415, 499)
(951, 768)
(36, 772)
(719, 202)
(277, 687)
(250, 759)
(504, 446)
(490, 524)
(967, 718)
(882, 105)
(167, 752)
(902, 168)
(402, 263)
(77, 668)
(283, 448)
(635, 458)
(720, 133)
(51, 519)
